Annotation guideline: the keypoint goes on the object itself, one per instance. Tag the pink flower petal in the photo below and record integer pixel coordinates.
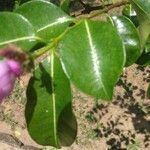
(9, 70)
(15, 67)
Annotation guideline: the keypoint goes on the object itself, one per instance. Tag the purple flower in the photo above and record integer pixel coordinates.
(9, 71)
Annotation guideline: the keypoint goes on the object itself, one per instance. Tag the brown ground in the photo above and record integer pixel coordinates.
(121, 124)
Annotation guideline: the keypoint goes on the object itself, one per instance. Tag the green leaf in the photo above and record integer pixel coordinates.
(49, 20)
(64, 4)
(144, 59)
(143, 13)
(17, 30)
(130, 37)
(130, 13)
(49, 116)
(147, 46)
(143, 5)
(93, 57)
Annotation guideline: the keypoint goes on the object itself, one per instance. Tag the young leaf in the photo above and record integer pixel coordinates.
(130, 38)
(50, 120)
(93, 57)
(17, 30)
(48, 19)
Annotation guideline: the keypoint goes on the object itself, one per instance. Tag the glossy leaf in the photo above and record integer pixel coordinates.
(143, 13)
(17, 30)
(93, 57)
(50, 120)
(130, 38)
(49, 20)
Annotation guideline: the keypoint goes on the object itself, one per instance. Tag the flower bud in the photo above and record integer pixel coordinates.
(9, 71)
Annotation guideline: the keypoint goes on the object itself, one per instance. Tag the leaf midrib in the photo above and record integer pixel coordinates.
(53, 99)
(95, 61)
(19, 39)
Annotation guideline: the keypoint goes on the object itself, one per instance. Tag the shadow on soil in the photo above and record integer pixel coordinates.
(117, 138)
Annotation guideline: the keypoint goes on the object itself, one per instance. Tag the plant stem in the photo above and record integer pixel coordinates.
(41, 51)
(105, 9)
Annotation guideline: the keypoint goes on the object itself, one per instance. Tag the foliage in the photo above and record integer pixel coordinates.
(90, 54)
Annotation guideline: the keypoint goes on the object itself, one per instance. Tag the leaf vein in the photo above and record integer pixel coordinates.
(19, 39)
(58, 21)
